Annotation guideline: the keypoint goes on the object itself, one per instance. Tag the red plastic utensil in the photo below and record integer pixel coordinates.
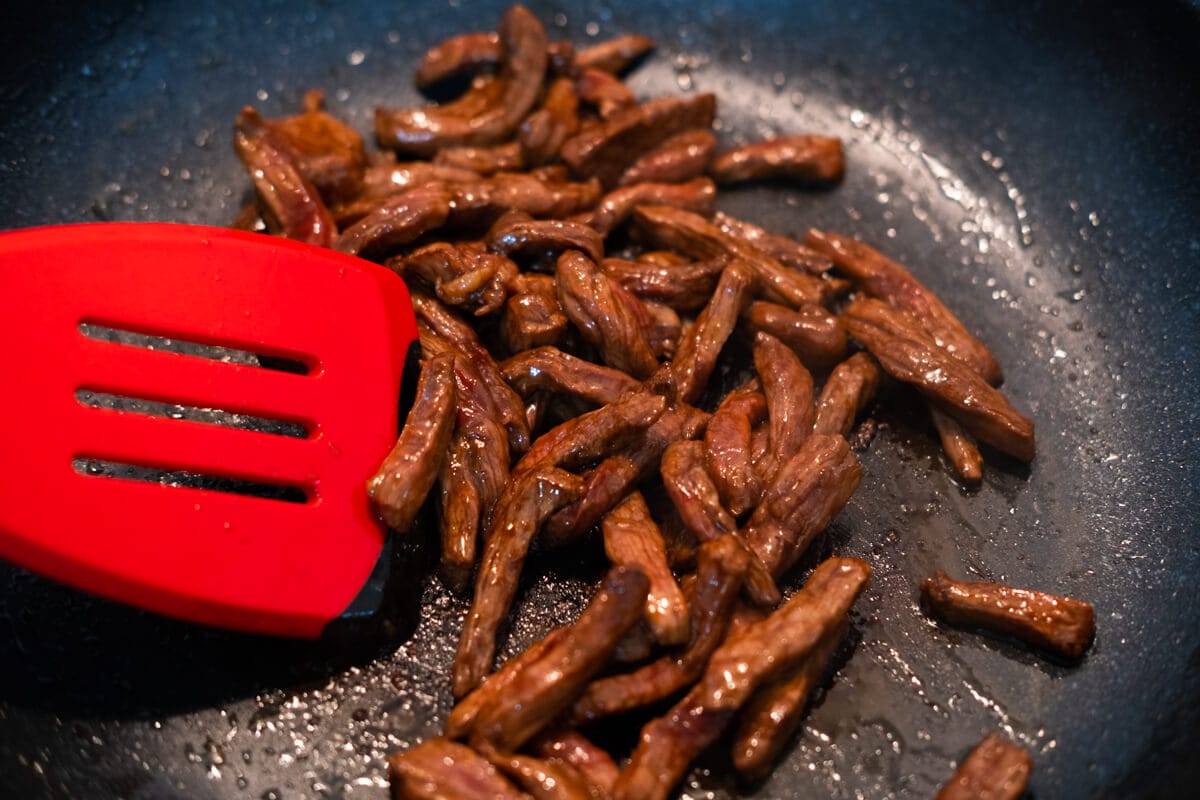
(341, 328)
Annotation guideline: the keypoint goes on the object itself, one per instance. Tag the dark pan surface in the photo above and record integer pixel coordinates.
(1037, 166)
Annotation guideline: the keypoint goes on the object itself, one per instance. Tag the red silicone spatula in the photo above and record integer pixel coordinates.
(169, 513)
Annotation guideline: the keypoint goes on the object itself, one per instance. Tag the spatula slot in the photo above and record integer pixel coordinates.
(102, 468)
(173, 344)
(211, 416)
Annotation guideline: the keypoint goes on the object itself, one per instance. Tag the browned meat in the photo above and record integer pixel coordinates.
(603, 92)
(483, 159)
(548, 686)
(682, 157)
(462, 717)
(588, 437)
(727, 447)
(786, 251)
(543, 780)
(248, 219)
(632, 538)
(1059, 625)
(700, 346)
(474, 474)
(527, 501)
(384, 180)
(664, 329)
(959, 446)
(697, 195)
(616, 475)
(443, 322)
(608, 317)
(464, 275)
(807, 493)
(550, 369)
(804, 158)
(635, 646)
(721, 567)
(523, 61)
(532, 315)
(480, 203)
(850, 387)
(439, 769)
(693, 492)
(515, 233)
(890, 281)
(543, 132)
(457, 55)
(905, 353)
(683, 287)
(289, 203)
(996, 769)
(395, 222)
(571, 747)
(774, 714)
(817, 336)
(328, 152)
(616, 55)
(607, 150)
(693, 235)
(765, 650)
(664, 258)
(407, 473)
(788, 387)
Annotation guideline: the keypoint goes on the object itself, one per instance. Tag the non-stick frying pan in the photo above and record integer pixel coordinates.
(1037, 165)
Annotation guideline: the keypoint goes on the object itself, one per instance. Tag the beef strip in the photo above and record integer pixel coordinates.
(397, 221)
(607, 317)
(693, 235)
(515, 233)
(846, 393)
(550, 369)
(439, 769)
(698, 194)
(683, 287)
(510, 411)
(572, 747)
(959, 446)
(886, 279)
(904, 352)
(616, 55)
(485, 200)
(407, 473)
(721, 567)
(603, 92)
(607, 150)
(542, 134)
(682, 157)
(483, 159)
(694, 493)
(291, 206)
(459, 54)
(815, 335)
(727, 447)
(461, 513)
(542, 779)
(807, 493)
(528, 500)
(588, 437)
(549, 685)
(806, 159)
(464, 275)
(774, 713)
(631, 537)
(1059, 625)
(523, 61)
(532, 316)
(700, 347)
(788, 387)
(765, 650)
(996, 769)
(785, 250)
(327, 151)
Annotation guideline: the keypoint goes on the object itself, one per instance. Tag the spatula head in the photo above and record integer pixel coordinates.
(121, 340)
